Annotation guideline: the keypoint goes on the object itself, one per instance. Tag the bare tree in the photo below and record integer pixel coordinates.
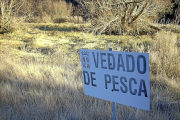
(8, 10)
(119, 16)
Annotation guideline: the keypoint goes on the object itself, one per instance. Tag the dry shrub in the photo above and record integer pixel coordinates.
(51, 10)
(110, 16)
(75, 19)
(177, 12)
(11, 14)
(7, 11)
(59, 20)
(40, 10)
(165, 55)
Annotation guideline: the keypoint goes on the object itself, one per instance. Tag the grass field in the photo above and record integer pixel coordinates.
(40, 74)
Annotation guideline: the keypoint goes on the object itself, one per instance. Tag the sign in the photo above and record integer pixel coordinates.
(121, 77)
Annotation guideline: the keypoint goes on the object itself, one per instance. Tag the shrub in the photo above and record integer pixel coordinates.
(171, 15)
(37, 10)
(120, 17)
(9, 19)
(60, 20)
(50, 10)
(6, 13)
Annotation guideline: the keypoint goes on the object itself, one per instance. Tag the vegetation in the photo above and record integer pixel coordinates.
(32, 11)
(120, 17)
(40, 69)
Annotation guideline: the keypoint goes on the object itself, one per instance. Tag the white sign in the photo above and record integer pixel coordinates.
(121, 77)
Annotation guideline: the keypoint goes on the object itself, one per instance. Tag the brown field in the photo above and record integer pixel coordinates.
(40, 74)
(40, 69)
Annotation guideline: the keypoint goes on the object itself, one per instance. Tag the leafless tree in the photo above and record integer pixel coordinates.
(120, 16)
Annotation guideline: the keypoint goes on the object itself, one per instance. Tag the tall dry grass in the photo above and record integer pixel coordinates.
(164, 61)
(45, 88)
(165, 54)
(14, 12)
(51, 88)
(50, 11)
(40, 86)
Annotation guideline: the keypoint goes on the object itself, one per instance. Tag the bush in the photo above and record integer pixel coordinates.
(173, 15)
(9, 19)
(60, 20)
(6, 13)
(50, 10)
(33, 10)
(121, 17)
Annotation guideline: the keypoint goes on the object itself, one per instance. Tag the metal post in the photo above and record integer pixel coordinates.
(114, 110)
(113, 103)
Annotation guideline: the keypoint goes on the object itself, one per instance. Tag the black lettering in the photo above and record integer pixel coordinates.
(114, 83)
(92, 79)
(142, 88)
(128, 57)
(103, 60)
(120, 62)
(96, 60)
(86, 77)
(111, 66)
(130, 86)
(107, 80)
(124, 85)
(144, 64)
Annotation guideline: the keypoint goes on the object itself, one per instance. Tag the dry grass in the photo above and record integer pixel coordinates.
(167, 52)
(165, 60)
(40, 74)
(14, 12)
(50, 11)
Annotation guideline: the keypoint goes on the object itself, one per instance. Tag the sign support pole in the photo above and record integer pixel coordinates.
(113, 103)
(114, 110)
